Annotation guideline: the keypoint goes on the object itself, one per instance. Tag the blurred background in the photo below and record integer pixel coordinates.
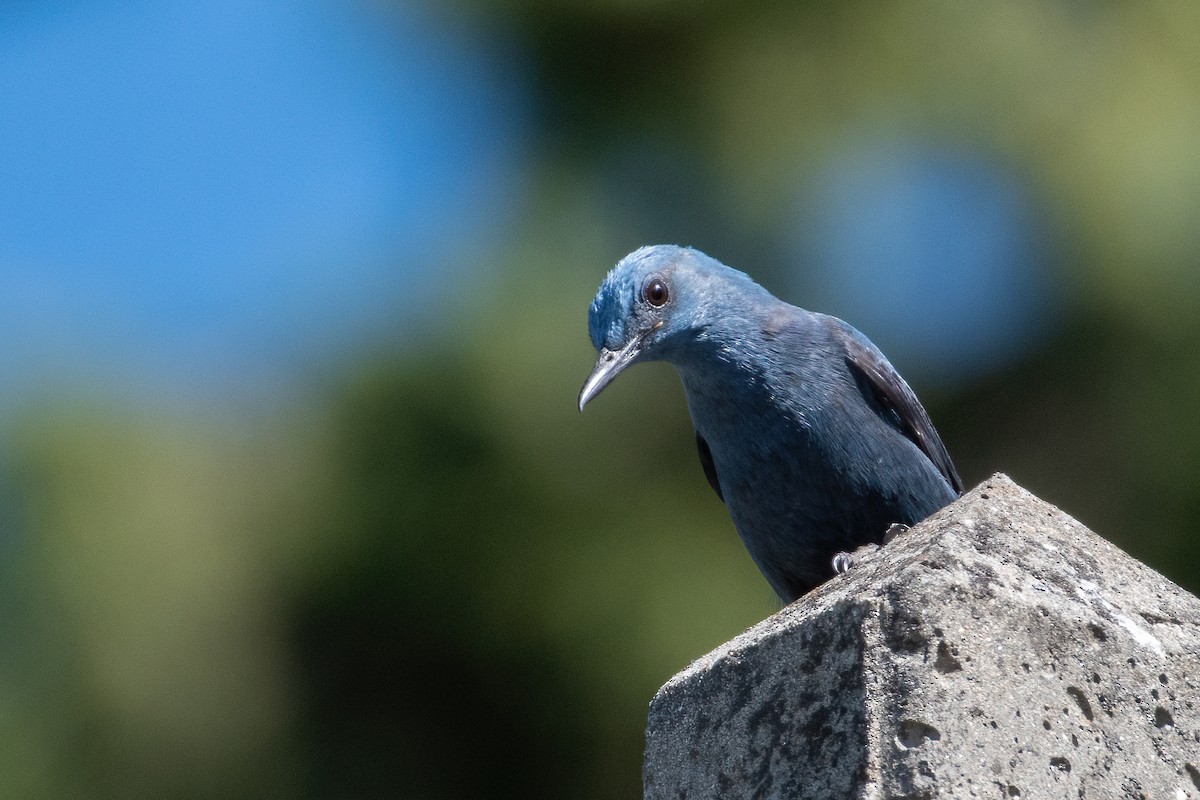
(294, 498)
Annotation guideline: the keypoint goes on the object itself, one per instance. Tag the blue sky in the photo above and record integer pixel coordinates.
(195, 193)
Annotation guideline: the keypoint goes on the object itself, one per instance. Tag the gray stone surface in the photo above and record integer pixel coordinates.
(999, 649)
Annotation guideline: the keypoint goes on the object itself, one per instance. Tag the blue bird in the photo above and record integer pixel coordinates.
(812, 439)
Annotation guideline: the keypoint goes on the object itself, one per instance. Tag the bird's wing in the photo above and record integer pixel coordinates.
(895, 399)
(710, 469)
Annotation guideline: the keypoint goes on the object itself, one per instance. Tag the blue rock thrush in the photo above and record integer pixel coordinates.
(812, 439)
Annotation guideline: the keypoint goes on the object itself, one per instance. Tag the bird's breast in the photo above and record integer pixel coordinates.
(741, 419)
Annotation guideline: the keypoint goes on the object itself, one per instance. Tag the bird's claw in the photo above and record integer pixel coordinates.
(894, 530)
(844, 561)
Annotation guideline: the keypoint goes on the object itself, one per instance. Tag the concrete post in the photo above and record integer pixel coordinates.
(1000, 650)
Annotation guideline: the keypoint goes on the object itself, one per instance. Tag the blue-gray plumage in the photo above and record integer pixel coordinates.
(812, 439)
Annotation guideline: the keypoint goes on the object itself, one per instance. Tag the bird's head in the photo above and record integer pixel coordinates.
(652, 303)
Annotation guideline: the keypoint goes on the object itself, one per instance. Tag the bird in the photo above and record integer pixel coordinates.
(814, 442)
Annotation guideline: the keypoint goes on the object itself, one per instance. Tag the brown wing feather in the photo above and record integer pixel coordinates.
(893, 394)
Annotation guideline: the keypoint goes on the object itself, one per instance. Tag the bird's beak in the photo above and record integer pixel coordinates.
(608, 366)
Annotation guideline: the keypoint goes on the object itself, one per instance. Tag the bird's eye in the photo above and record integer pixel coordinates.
(655, 292)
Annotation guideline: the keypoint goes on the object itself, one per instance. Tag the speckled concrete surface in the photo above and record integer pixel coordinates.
(999, 649)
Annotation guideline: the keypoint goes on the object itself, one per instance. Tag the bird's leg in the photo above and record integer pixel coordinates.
(843, 561)
(894, 530)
